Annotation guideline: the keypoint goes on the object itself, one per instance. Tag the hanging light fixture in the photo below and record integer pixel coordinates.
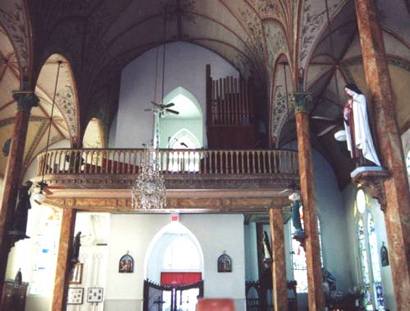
(148, 191)
(40, 195)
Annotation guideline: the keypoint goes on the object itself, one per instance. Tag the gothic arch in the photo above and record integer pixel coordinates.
(159, 244)
(94, 134)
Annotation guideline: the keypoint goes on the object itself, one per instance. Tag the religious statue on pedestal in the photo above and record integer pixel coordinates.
(297, 223)
(356, 123)
(19, 225)
(75, 252)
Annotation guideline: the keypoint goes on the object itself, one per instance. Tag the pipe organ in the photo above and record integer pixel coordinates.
(230, 112)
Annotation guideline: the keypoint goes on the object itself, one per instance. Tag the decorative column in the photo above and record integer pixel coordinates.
(396, 187)
(279, 286)
(12, 179)
(63, 260)
(312, 248)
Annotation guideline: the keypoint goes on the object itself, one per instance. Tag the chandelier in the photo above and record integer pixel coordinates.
(149, 190)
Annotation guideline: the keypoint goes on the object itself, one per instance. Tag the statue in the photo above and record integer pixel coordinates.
(19, 225)
(75, 253)
(297, 223)
(358, 136)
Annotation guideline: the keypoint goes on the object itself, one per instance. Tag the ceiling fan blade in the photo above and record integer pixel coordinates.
(326, 130)
(172, 111)
(285, 191)
(156, 104)
(323, 118)
(169, 105)
(148, 109)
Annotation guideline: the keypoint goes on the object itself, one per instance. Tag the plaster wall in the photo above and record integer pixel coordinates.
(215, 234)
(185, 66)
(251, 254)
(169, 127)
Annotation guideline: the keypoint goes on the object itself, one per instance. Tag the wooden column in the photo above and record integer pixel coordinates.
(312, 248)
(12, 179)
(279, 286)
(63, 259)
(397, 209)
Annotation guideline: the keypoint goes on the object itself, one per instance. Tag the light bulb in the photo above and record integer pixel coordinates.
(340, 135)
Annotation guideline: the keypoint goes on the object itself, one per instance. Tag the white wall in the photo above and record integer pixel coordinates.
(169, 127)
(251, 254)
(185, 66)
(215, 234)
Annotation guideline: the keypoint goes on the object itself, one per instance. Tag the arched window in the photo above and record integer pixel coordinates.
(170, 127)
(299, 266)
(181, 254)
(370, 273)
(408, 163)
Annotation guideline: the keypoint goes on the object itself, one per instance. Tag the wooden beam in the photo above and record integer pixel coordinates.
(279, 286)
(396, 188)
(59, 302)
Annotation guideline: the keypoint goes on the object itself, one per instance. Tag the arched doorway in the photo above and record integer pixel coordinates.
(173, 270)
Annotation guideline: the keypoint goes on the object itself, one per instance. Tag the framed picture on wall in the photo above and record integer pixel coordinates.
(126, 264)
(224, 263)
(76, 275)
(75, 296)
(95, 294)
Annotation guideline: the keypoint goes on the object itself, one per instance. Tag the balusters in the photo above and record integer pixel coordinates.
(192, 162)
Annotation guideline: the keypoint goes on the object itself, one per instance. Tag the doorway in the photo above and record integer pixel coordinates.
(174, 270)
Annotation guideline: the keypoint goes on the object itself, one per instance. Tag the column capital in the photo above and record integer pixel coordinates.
(301, 101)
(25, 100)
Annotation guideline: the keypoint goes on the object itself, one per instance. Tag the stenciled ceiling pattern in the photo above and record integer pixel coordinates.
(97, 38)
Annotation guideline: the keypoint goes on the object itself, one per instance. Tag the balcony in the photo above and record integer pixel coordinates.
(213, 175)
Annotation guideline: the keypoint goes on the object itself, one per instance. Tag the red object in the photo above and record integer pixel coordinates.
(215, 304)
(180, 278)
(175, 217)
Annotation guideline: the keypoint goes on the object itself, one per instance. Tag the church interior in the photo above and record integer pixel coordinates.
(157, 155)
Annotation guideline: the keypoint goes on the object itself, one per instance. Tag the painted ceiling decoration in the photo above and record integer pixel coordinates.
(97, 38)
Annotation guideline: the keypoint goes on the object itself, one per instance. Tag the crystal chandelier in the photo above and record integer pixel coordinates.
(149, 190)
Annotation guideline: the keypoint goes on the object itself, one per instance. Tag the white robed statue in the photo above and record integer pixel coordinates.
(356, 123)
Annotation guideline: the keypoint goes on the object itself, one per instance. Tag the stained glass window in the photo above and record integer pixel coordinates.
(368, 256)
(299, 260)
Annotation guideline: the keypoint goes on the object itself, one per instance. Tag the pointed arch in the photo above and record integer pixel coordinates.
(65, 120)
(181, 91)
(189, 123)
(94, 134)
(170, 236)
(281, 87)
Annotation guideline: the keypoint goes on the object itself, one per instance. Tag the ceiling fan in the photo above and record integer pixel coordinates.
(162, 109)
(335, 123)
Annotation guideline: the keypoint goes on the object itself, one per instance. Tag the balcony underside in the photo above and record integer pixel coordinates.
(248, 182)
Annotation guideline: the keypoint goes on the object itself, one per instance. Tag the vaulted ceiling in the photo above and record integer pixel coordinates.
(95, 39)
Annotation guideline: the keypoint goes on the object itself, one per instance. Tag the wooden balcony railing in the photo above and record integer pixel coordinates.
(191, 164)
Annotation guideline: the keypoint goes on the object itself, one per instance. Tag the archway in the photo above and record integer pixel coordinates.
(94, 135)
(172, 127)
(174, 266)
